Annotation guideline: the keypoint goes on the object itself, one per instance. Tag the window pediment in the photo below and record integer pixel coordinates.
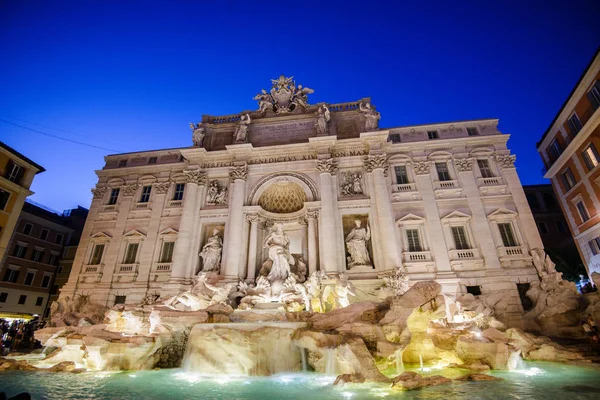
(101, 235)
(410, 219)
(134, 233)
(502, 214)
(456, 216)
(169, 232)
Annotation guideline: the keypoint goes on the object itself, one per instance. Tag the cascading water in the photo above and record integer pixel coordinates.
(304, 359)
(515, 362)
(421, 361)
(399, 362)
(330, 362)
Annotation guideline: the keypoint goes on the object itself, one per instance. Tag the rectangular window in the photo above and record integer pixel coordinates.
(52, 260)
(29, 278)
(152, 160)
(11, 275)
(44, 234)
(114, 196)
(58, 239)
(27, 228)
(122, 163)
(594, 95)
(14, 172)
(97, 254)
(590, 156)
(506, 232)
(120, 299)
(432, 135)
(178, 192)
(3, 297)
(575, 124)
(39, 301)
(59, 270)
(22, 299)
(474, 290)
(412, 236)
(460, 238)
(583, 213)
(37, 255)
(4, 195)
(472, 131)
(555, 150)
(560, 225)
(484, 168)
(20, 251)
(542, 227)
(395, 138)
(145, 197)
(568, 179)
(131, 253)
(401, 175)
(167, 252)
(46, 281)
(442, 171)
(595, 245)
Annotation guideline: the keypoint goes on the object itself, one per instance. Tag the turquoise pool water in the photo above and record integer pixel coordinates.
(545, 381)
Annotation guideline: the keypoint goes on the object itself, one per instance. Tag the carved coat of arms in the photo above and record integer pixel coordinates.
(284, 96)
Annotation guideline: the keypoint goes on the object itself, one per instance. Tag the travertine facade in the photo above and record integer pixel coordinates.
(442, 200)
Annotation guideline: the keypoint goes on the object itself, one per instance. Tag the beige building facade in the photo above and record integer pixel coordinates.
(443, 201)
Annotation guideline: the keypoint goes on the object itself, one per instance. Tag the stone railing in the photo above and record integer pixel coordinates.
(91, 269)
(466, 254)
(445, 184)
(416, 256)
(142, 206)
(512, 251)
(228, 119)
(404, 187)
(128, 268)
(109, 208)
(162, 267)
(175, 204)
(493, 181)
(344, 106)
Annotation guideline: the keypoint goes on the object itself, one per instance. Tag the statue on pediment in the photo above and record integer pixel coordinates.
(241, 130)
(284, 96)
(198, 133)
(372, 117)
(323, 117)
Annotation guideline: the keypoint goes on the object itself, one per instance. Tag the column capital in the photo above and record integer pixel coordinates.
(195, 176)
(378, 161)
(238, 172)
(99, 191)
(464, 164)
(327, 165)
(506, 160)
(421, 167)
(252, 218)
(162, 187)
(312, 214)
(129, 190)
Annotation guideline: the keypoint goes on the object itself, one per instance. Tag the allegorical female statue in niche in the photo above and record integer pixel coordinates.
(356, 243)
(278, 244)
(211, 253)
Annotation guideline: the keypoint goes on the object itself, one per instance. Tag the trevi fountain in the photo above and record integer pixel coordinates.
(363, 292)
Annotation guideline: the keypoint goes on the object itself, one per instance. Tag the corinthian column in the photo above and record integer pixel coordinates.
(253, 242)
(235, 223)
(312, 216)
(182, 256)
(378, 166)
(327, 168)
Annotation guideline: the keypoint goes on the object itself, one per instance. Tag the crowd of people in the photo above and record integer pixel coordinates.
(17, 335)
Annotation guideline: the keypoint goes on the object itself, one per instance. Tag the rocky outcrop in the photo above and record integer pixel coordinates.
(411, 380)
(478, 378)
(358, 312)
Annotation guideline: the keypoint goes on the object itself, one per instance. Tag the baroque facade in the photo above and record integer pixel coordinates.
(324, 188)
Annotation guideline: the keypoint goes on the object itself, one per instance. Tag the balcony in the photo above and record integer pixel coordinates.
(128, 268)
(447, 189)
(465, 254)
(416, 256)
(109, 208)
(142, 206)
(516, 252)
(492, 181)
(92, 269)
(404, 191)
(404, 187)
(445, 184)
(491, 186)
(175, 204)
(162, 267)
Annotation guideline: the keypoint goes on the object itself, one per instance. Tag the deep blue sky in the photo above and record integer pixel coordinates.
(131, 75)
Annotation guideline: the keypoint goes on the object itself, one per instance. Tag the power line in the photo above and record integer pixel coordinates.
(58, 137)
(50, 127)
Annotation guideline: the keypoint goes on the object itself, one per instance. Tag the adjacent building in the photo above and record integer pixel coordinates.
(569, 149)
(16, 175)
(554, 230)
(32, 260)
(441, 200)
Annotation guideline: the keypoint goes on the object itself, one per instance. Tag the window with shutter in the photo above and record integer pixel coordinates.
(506, 232)
(460, 238)
(414, 243)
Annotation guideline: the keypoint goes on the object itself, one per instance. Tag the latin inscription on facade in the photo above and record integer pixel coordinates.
(282, 133)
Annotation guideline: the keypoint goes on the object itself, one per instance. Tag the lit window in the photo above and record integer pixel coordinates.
(575, 124)
(432, 135)
(590, 156)
(460, 238)
(484, 167)
(167, 252)
(568, 179)
(506, 232)
(178, 192)
(97, 254)
(414, 244)
(145, 197)
(442, 171)
(583, 213)
(472, 131)
(401, 174)
(114, 196)
(131, 253)
(4, 195)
